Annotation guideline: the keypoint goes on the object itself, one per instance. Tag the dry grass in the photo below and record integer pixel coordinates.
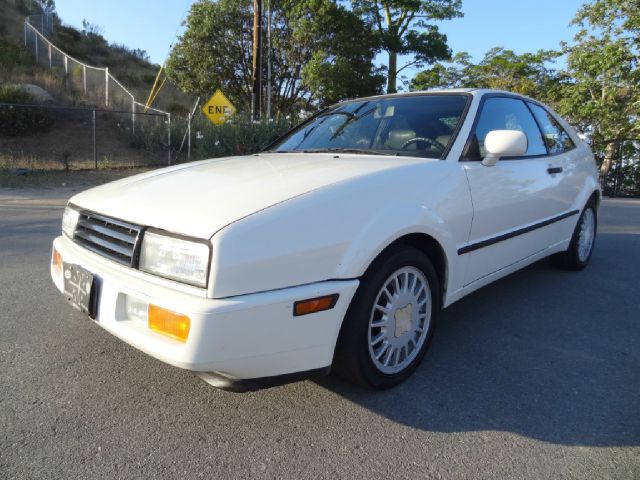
(68, 144)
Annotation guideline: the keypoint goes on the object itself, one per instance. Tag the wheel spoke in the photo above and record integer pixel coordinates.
(380, 353)
(380, 323)
(378, 338)
(388, 294)
(388, 356)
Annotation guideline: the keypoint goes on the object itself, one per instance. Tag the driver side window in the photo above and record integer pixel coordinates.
(501, 113)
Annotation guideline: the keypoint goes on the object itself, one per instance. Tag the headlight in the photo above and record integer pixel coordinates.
(69, 221)
(175, 258)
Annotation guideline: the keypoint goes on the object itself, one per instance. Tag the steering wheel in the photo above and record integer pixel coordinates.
(440, 147)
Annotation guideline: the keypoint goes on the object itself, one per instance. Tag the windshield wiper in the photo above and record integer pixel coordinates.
(351, 150)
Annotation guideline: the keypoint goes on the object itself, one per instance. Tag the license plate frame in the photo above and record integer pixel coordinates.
(80, 288)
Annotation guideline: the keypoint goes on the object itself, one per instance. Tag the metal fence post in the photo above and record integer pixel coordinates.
(106, 86)
(36, 42)
(84, 79)
(25, 34)
(133, 114)
(95, 150)
(169, 136)
(189, 137)
(66, 65)
(50, 64)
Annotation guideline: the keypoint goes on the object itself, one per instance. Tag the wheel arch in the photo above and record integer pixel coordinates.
(428, 245)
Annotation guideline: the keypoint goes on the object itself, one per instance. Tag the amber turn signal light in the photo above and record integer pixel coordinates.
(313, 305)
(56, 261)
(172, 324)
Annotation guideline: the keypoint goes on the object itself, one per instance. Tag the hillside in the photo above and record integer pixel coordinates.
(130, 66)
(57, 137)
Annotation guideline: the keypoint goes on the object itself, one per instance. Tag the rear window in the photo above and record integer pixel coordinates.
(555, 137)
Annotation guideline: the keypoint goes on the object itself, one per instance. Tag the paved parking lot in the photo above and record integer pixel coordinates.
(536, 376)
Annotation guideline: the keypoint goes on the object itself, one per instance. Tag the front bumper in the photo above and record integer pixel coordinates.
(244, 337)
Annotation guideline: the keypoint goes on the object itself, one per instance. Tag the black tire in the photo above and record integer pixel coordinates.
(570, 259)
(353, 360)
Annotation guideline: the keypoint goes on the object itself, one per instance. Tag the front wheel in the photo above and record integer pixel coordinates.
(390, 321)
(583, 240)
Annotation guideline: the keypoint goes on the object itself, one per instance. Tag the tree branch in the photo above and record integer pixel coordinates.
(404, 28)
(407, 65)
(378, 17)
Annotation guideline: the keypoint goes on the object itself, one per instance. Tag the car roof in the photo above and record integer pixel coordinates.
(440, 91)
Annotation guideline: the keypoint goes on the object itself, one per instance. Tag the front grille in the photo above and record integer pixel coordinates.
(109, 237)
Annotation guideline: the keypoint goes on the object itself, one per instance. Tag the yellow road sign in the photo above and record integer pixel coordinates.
(218, 109)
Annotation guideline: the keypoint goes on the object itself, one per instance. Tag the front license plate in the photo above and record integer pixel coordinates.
(80, 288)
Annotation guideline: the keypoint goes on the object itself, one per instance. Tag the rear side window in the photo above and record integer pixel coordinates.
(555, 137)
(499, 113)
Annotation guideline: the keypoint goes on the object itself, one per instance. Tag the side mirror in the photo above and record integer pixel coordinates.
(503, 143)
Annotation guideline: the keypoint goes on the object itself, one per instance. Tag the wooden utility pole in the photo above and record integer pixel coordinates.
(256, 94)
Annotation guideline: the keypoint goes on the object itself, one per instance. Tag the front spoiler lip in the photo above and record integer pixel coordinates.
(237, 385)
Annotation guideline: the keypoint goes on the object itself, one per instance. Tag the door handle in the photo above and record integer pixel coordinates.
(552, 170)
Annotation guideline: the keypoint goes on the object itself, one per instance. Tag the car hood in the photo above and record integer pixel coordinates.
(200, 198)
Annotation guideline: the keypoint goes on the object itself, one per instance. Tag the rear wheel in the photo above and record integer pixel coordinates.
(580, 249)
(390, 321)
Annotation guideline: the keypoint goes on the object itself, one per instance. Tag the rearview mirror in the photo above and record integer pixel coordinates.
(503, 143)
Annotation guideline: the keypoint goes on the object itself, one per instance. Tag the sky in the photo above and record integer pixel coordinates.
(519, 25)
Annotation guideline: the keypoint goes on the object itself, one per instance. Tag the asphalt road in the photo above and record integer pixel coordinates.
(535, 376)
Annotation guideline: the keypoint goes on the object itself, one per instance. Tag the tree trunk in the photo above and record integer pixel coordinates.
(256, 90)
(393, 70)
(609, 157)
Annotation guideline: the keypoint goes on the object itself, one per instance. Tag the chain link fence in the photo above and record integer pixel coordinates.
(94, 85)
(46, 137)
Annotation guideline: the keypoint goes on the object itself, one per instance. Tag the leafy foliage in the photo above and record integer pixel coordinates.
(12, 55)
(322, 53)
(604, 95)
(403, 27)
(241, 136)
(528, 74)
(17, 121)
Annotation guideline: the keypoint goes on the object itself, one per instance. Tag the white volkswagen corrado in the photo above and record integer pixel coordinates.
(338, 245)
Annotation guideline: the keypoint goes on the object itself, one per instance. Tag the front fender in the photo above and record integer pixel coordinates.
(335, 232)
(387, 226)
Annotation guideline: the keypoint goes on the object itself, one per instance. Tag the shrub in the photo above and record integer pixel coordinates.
(12, 55)
(17, 120)
(240, 136)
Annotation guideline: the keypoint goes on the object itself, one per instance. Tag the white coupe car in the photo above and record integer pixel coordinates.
(337, 246)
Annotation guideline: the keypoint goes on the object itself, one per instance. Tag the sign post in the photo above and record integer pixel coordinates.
(218, 108)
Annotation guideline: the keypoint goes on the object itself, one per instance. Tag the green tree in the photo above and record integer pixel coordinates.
(215, 51)
(528, 74)
(314, 42)
(404, 27)
(604, 96)
(342, 50)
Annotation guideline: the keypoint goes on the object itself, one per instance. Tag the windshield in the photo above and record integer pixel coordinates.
(419, 125)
